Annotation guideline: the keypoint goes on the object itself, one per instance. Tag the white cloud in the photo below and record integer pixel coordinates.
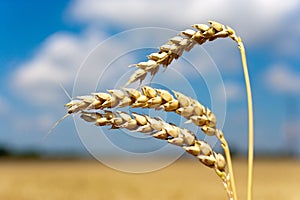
(55, 61)
(88, 58)
(281, 78)
(253, 20)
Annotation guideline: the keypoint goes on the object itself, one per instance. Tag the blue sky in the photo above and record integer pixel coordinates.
(44, 44)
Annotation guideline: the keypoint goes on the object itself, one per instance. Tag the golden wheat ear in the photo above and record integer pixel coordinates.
(175, 47)
(169, 132)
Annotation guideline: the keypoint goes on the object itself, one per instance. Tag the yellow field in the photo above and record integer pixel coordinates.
(74, 180)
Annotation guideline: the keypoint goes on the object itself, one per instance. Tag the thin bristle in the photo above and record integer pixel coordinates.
(55, 125)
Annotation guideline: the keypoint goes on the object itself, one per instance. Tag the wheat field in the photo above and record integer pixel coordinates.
(184, 179)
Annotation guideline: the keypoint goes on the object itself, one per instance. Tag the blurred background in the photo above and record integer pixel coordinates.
(44, 45)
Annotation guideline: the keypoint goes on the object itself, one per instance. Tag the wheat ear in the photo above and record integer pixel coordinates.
(162, 130)
(175, 47)
(150, 97)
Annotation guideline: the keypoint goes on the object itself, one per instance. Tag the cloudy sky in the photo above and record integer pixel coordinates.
(86, 45)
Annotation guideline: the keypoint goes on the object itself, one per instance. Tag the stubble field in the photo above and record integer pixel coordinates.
(184, 179)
